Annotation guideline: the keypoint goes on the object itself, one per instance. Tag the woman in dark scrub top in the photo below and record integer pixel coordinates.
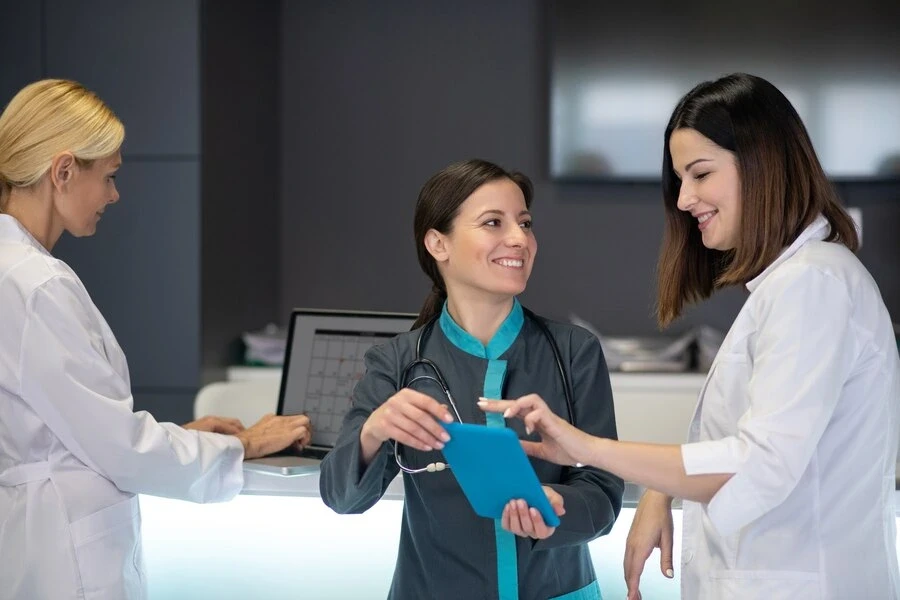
(475, 242)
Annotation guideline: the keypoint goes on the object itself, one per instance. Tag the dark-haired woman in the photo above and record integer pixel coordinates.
(789, 471)
(475, 242)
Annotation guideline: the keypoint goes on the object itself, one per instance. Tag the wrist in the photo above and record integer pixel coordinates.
(245, 443)
(597, 453)
(658, 497)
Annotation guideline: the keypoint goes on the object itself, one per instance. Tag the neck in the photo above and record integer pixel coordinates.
(33, 209)
(480, 317)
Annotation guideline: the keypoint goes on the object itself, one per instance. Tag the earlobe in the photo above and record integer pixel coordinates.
(436, 245)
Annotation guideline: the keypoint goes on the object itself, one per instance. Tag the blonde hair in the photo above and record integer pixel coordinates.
(48, 117)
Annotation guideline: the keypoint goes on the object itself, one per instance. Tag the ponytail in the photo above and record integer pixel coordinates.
(432, 307)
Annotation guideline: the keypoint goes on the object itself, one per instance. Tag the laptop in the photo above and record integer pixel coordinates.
(324, 359)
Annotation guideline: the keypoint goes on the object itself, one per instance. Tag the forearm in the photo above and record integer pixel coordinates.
(656, 466)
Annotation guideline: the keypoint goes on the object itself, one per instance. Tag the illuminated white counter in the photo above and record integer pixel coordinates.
(277, 540)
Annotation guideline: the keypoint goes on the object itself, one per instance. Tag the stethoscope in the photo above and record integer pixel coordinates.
(438, 377)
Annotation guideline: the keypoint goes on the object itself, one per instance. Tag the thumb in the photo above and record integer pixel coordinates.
(665, 550)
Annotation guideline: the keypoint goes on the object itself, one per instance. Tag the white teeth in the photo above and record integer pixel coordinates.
(510, 263)
(706, 217)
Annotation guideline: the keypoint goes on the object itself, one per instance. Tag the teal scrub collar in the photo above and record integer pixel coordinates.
(500, 343)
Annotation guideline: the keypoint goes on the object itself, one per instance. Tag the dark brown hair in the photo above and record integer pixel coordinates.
(783, 189)
(437, 207)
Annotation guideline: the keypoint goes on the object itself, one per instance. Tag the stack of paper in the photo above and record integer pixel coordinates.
(265, 347)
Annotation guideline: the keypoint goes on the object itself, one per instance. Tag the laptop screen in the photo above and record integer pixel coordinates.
(323, 361)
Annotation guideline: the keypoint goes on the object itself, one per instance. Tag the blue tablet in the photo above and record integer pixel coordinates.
(492, 469)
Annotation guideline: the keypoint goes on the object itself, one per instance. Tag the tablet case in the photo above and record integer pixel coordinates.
(492, 469)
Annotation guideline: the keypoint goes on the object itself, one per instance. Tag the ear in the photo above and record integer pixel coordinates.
(62, 170)
(436, 244)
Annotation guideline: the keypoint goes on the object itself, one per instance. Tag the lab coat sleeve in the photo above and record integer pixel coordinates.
(345, 485)
(803, 356)
(67, 379)
(592, 497)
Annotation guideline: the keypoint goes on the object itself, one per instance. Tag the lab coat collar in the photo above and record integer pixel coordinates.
(500, 343)
(816, 231)
(11, 229)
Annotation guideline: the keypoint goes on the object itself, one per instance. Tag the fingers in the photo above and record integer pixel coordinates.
(634, 567)
(235, 424)
(418, 431)
(495, 406)
(556, 500)
(513, 408)
(519, 519)
(429, 405)
(665, 548)
(411, 418)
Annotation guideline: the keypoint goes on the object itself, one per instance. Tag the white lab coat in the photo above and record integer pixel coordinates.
(802, 405)
(73, 454)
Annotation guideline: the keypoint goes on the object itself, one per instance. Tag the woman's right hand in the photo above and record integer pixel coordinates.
(651, 528)
(409, 417)
(272, 434)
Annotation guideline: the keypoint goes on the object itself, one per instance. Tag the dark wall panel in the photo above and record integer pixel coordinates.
(240, 132)
(20, 46)
(142, 269)
(141, 57)
(376, 97)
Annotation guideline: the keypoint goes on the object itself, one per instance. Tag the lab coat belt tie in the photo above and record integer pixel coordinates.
(25, 473)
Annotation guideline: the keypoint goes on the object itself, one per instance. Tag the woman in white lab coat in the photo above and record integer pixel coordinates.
(73, 454)
(788, 475)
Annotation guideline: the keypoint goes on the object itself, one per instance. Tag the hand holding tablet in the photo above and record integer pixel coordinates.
(492, 469)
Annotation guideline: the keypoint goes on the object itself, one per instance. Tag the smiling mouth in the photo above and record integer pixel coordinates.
(706, 216)
(510, 263)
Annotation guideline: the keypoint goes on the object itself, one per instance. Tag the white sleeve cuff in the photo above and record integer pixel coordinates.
(716, 456)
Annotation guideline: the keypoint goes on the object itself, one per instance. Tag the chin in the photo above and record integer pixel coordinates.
(85, 232)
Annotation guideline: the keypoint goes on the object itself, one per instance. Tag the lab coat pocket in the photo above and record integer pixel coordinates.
(771, 585)
(107, 545)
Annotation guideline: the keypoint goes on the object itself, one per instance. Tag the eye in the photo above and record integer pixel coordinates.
(492, 223)
(701, 176)
(110, 178)
(526, 225)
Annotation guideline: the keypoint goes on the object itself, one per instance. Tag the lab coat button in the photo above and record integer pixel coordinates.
(686, 556)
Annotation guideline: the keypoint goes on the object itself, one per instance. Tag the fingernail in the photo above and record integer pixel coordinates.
(670, 573)
(428, 448)
(482, 399)
(445, 436)
(481, 403)
(439, 446)
(528, 430)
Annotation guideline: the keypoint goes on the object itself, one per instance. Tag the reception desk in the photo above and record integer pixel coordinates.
(277, 540)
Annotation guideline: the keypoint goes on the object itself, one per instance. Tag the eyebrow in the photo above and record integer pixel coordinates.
(691, 164)
(494, 211)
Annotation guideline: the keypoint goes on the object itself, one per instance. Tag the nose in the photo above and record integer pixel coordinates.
(516, 236)
(687, 197)
(115, 197)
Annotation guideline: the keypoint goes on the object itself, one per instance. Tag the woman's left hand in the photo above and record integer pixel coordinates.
(523, 521)
(215, 424)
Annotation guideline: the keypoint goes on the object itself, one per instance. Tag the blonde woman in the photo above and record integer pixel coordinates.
(73, 454)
